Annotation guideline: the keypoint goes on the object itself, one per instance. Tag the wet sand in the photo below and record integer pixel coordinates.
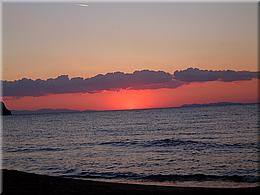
(16, 182)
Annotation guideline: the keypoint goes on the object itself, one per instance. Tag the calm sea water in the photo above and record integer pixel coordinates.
(206, 145)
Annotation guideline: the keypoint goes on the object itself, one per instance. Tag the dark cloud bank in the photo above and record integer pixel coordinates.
(145, 79)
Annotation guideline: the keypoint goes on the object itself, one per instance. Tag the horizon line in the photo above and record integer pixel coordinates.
(149, 108)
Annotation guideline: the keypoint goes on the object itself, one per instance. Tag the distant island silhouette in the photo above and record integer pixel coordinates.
(43, 111)
(4, 110)
(49, 110)
(215, 104)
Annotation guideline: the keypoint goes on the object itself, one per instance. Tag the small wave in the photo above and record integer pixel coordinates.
(178, 142)
(165, 178)
(120, 143)
(202, 177)
(34, 149)
(172, 142)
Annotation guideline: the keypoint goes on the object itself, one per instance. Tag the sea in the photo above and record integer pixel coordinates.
(210, 146)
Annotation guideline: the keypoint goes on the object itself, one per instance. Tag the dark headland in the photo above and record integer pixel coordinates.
(4, 110)
(16, 182)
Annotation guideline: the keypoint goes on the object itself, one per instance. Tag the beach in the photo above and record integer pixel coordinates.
(17, 182)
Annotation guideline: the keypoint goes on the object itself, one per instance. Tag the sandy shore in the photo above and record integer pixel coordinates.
(16, 182)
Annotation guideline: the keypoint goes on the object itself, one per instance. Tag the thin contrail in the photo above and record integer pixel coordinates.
(82, 4)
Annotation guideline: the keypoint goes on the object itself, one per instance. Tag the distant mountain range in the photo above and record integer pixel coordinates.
(215, 104)
(46, 111)
(43, 111)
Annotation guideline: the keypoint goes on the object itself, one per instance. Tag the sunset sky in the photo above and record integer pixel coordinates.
(47, 40)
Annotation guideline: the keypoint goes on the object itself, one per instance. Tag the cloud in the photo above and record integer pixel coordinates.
(196, 75)
(145, 79)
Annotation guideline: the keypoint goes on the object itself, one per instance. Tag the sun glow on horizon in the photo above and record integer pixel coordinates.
(208, 92)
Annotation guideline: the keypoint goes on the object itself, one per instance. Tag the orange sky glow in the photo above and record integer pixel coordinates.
(208, 92)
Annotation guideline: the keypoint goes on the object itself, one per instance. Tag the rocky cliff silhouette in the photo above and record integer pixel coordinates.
(4, 110)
